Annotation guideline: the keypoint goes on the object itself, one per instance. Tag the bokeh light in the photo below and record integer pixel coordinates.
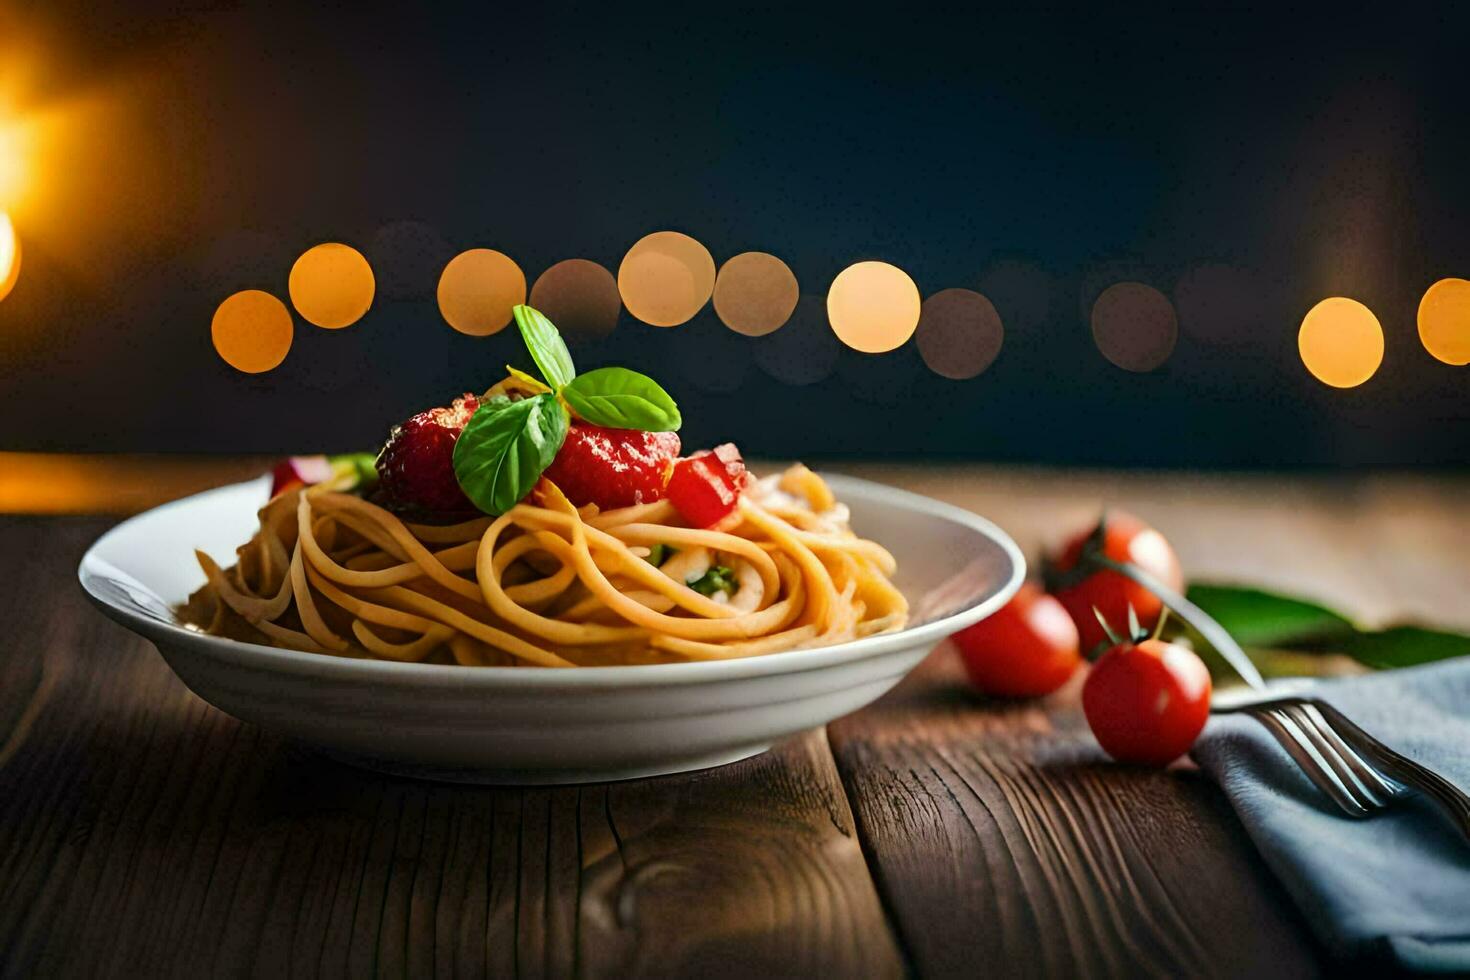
(873, 307)
(12, 162)
(959, 333)
(755, 293)
(9, 255)
(580, 297)
(1134, 326)
(331, 285)
(252, 331)
(666, 278)
(1341, 342)
(478, 289)
(1444, 321)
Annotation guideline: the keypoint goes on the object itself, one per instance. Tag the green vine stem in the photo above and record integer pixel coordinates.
(1193, 615)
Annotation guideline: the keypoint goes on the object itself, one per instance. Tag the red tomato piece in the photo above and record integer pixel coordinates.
(705, 488)
(295, 471)
(1147, 702)
(1027, 649)
(1127, 539)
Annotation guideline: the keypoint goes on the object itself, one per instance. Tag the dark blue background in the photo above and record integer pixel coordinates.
(1037, 155)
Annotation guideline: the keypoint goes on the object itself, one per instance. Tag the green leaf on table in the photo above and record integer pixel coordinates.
(1273, 627)
(622, 399)
(1405, 646)
(1257, 618)
(506, 446)
(547, 348)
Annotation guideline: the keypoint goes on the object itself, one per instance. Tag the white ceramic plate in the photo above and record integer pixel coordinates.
(520, 725)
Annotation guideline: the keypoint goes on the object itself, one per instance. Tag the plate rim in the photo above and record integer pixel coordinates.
(327, 666)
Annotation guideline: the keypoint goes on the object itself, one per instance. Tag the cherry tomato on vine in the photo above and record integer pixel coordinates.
(1027, 649)
(1147, 702)
(1125, 539)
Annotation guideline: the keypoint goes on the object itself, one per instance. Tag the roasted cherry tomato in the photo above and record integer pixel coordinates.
(1027, 649)
(1147, 702)
(1126, 539)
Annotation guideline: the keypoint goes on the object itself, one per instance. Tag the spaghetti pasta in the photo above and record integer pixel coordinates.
(550, 584)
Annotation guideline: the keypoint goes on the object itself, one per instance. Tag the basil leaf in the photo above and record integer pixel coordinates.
(504, 449)
(660, 553)
(1257, 618)
(547, 348)
(622, 399)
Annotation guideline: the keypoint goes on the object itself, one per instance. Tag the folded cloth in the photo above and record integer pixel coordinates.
(1396, 885)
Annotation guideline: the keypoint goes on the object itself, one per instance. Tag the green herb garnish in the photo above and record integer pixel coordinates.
(718, 579)
(547, 348)
(660, 553)
(507, 445)
(505, 448)
(622, 399)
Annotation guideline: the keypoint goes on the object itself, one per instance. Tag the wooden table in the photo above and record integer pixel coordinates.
(143, 833)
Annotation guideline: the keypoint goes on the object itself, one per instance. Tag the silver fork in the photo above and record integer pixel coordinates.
(1355, 770)
(1358, 789)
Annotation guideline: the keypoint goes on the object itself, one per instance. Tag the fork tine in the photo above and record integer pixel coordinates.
(1300, 748)
(1440, 790)
(1374, 781)
(1350, 769)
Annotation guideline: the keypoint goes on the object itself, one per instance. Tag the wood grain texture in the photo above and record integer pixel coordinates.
(143, 833)
(1004, 843)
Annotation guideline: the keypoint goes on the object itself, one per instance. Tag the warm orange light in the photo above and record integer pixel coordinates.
(1444, 321)
(332, 285)
(478, 290)
(12, 162)
(9, 255)
(1341, 342)
(1134, 326)
(580, 297)
(873, 307)
(252, 331)
(755, 293)
(666, 278)
(959, 333)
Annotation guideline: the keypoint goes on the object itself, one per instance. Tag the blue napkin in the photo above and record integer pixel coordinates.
(1396, 885)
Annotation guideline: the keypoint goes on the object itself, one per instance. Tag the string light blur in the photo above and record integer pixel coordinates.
(666, 278)
(1341, 342)
(252, 331)
(331, 285)
(1444, 321)
(478, 289)
(873, 307)
(1134, 326)
(9, 255)
(580, 297)
(959, 333)
(755, 293)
